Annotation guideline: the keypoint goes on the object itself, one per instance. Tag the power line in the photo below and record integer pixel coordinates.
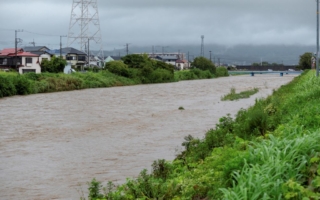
(43, 34)
(26, 31)
(3, 29)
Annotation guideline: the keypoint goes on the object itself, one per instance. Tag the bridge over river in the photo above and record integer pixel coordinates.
(252, 73)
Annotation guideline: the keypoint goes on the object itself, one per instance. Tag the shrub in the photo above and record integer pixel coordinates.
(22, 85)
(161, 76)
(202, 74)
(7, 87)
(117, 67)
(203, 64)
(95, 190)
(221, 71)
(160, 169)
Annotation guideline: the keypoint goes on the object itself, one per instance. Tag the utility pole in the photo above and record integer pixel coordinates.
(61, 44)
(210, 56)
(317, 57)
(202, 46)
(34, 44)
(16, 40)
(163, 48)
(127, 48)
(89, 52)
(188, 60)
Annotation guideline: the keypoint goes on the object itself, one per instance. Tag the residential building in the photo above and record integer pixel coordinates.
(20, 60)
(112, 58)
(35, 48)
(95, 61)
(42, 51)
(181, 65)
(168, 59)
(75, 57)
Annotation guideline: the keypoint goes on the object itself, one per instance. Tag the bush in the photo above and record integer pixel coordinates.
(202, 74)
(161, 76)
(192, 74)
(23, 85)
(7, 87)
(55, 65)
(221, 71)
(203, 64)
(117, 67)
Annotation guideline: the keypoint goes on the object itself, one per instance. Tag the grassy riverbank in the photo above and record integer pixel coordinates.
(15, 84)
(269, 151)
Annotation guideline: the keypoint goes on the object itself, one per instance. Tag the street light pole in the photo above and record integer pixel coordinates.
(317, 59)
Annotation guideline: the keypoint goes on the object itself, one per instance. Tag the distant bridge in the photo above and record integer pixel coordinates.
(252, 73)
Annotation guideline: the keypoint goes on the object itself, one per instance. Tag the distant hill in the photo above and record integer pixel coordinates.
(238, 54)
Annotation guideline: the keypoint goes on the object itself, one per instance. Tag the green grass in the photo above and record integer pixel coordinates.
(268, 151)
(235, 96)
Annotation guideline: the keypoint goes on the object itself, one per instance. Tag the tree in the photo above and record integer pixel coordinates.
(117, 67)
(203, 64)
(55, 65)
(256, 64)
(135, 60)
(305, 61)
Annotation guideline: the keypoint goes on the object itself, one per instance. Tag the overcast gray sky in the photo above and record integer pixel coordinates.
(165, 22)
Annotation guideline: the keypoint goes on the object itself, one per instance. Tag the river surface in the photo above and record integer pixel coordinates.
(52, 144)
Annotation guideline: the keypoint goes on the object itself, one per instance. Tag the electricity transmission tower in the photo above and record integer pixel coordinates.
(85, 25)
(202, 46)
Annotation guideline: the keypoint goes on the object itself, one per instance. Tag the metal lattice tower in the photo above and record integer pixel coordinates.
(84, 26)
(202, 46)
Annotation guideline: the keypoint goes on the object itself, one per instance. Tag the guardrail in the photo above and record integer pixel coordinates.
(252, 73)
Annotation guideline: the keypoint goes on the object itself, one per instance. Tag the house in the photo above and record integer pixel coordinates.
(168, 59)
(95, 61)
(181, 64)
(42, 51)
(56, 53)
(112, 58)
(20, 60)
(75, 57)
(36, 48)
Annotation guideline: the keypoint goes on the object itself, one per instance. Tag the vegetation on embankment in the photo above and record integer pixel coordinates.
(31, 83)
(132, 70)
(15, 84)
(268, 151)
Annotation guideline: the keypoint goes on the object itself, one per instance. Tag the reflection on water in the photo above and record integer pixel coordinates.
(52, 144)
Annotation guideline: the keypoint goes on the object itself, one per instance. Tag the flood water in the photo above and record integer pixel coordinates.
(52, 144)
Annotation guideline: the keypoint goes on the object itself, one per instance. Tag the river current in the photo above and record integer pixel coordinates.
(52, 144)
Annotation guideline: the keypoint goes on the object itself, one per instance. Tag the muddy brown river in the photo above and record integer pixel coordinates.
(52, 144)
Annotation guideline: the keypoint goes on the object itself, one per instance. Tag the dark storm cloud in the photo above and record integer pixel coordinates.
(165, 22)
